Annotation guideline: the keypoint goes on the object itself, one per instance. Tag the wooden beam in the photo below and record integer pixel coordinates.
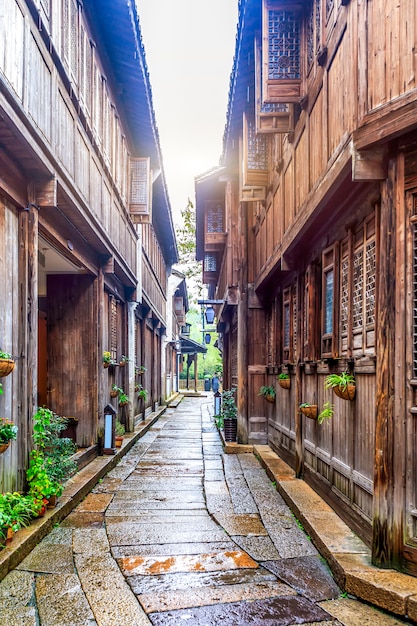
(369, 164)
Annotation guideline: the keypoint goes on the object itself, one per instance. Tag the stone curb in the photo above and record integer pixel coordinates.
(348, 557)
(77, 488)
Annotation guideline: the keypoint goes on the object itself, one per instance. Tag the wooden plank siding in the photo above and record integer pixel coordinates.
(75, 111)
(329, 261)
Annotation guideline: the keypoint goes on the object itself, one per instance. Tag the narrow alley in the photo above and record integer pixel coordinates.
(179, 532)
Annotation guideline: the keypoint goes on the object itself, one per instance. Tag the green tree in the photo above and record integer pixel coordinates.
(186, 240)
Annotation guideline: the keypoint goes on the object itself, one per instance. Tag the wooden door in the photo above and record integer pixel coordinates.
(72, 351)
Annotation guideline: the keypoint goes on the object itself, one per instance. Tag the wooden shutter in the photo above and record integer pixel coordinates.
(140, 190)
(330, 290)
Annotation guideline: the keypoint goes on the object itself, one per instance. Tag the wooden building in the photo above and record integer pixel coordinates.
(308, 235)
(86, 234)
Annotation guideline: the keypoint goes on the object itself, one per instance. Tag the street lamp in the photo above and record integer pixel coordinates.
(210, 314)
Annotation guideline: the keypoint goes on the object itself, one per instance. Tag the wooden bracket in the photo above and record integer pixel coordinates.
(369, 164)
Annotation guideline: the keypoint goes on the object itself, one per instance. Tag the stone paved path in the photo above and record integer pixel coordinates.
(180, 533)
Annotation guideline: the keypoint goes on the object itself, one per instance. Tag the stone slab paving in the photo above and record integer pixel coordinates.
(180, 532)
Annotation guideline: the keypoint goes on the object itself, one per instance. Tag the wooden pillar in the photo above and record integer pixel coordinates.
(195, 372)
(28, 333)
(299, 434)
(131, 351)
(388, 471)
(242, 331)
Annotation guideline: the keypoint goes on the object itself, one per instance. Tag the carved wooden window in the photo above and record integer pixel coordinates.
(85, 71)
(140, 199)
(282, 51)
(329, 299)
(310, 314)
(214, 217)
(358, 291)
(255, 165)
(289, 324)
(271, 117)
(70, 38)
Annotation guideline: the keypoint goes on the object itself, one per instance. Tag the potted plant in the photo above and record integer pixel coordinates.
(6, 363)
(268, 392)
(326, 413)
(123, 398)
(142, 394)
(229, 415)
(309, 410)
(284, 380)
(140, 370)
(8, 432)
(107, 360)
(15, 512)
(123, 360)
(120, 431)
(115, 390)
(343, 385)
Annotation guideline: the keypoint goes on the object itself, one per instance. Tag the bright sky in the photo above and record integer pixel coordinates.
(189, 46)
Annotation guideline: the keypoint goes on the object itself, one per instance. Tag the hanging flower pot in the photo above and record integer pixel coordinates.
(285, 383)
(346, 393)
(4, 446)
(309, 410)
(6, 366)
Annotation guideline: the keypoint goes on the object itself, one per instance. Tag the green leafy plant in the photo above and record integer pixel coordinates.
(107, 357)
(305, 405)
(8, 430)
(141, 369)
(5, 355)
(16, 510)
(123, 398)
(50, 463)
(267, 391)
(339, 380)
(219, 421)
(326, 413)
(142, 394)
(124, 359)
(120, 429)
(229, 408)
(283, 376)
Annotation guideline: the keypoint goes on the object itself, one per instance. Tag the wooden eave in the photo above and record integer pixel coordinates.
(115, 23)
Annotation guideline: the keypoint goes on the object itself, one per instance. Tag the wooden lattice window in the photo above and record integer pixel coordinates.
(214, 218)
(358, 291)
(282, 51)
(329, 298)
(289, 324)
(309, 321)
(140, 189)
(70, 39)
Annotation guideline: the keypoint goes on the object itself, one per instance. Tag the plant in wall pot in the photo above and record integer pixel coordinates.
(268, 392)
(141, 369)
(115, 390)
(284, 380)
(6, 363)
(142, 394)
(123, 360)
(326, 413)
(123, 398)
(107, 360)
(309, 410)
(229, 415)
(343, 385)
(8, 432)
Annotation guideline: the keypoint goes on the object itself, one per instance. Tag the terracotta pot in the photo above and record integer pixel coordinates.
(106, 365)
(114, 394)
(119, 441)
(270, 399)
(347, 393)
(309, 411)
(285, 383)
(4, 446)
(52, 502)
(122, 363)
(122, 403)
(6, 367)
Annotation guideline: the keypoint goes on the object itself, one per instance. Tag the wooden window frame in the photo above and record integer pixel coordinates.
(290, 312)
(329, 340)
(309, 310)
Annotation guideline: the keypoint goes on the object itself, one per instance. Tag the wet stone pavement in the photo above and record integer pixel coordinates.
(180, 533)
